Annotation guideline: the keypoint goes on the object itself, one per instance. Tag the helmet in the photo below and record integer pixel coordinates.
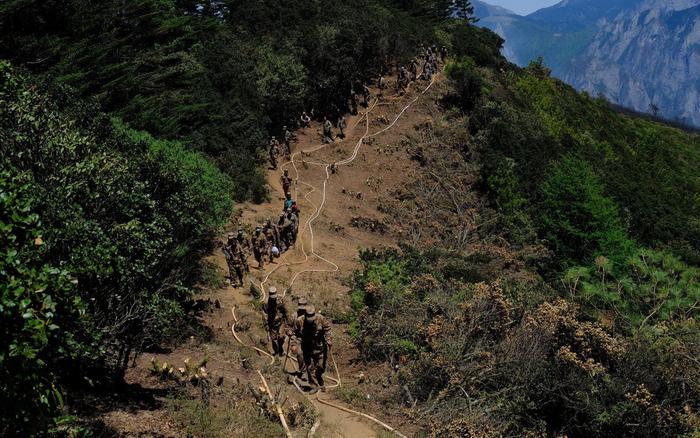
(258, 229)
(272, 292)
(275, 251)
(302, 301)
(310, 313)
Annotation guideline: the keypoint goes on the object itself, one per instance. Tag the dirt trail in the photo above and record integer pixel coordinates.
(318, 254)
(340, 213)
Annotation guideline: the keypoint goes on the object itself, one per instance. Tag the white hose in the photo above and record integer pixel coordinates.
(317, 212)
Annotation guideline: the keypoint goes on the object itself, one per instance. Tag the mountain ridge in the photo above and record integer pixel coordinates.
(498, 253)
(608, 49)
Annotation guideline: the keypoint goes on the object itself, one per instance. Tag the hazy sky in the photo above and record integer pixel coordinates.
(523, 6)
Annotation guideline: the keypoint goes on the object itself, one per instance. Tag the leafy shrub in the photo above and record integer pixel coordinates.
(652, 287)
(466, 81)
(578, 220)
(513, 134)
(39, 313)
(235, 418)
(104, 230)
(484, 363)
(504, 187)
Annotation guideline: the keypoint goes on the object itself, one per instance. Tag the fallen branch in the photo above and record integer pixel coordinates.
(277, 406)
(314, 428)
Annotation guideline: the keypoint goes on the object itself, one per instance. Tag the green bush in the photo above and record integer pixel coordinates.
(39, 314)
(504, 187)
(466, 81)
(577, 219)
(382, 288)
(123, 221)
(471, 359)
(652, 287)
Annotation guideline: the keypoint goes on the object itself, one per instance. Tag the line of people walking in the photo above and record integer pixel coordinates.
(307, 333)
(278, 150)
(269, 240)
(427, 61)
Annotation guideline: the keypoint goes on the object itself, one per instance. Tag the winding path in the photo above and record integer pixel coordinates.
(350, 428)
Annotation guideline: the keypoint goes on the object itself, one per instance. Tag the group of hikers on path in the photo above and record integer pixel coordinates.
(427, 61)
(277, 149)
(306, 332)
(269, 240)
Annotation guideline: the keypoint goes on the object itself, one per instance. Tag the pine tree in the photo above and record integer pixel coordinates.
(464, 10)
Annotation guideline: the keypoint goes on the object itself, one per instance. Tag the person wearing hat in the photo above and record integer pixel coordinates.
(353, 101)
(260, 247)
(244, 245)
(285, 227)
(281, 226)
(275, 316)
(342, 126)
(234, 259)
(293, 219)
(286, 181)
(274, 152)
(272, 235)
(287, 141)
(295, 332)
(327, 131)
(316, 343)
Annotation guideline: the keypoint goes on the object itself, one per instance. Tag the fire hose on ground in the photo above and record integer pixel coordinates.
(335, 268)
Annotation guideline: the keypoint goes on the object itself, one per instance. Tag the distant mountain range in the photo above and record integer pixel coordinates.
(642, 54)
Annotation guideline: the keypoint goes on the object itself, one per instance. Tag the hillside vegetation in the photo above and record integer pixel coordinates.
(102, 229)
(571, 307)
(601, 46)
(219, 75)
(551, 287)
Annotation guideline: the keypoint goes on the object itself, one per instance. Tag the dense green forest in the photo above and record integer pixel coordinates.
(129, 128)
(220, 75)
